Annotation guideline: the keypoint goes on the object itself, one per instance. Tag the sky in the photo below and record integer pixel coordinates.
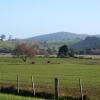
(27, 18)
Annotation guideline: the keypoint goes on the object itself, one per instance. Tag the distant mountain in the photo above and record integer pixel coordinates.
(59, 36)
(89, 42)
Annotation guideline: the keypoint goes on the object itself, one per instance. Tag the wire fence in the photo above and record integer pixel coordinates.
(68, 85)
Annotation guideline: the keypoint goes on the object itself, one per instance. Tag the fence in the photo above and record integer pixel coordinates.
(50, 87)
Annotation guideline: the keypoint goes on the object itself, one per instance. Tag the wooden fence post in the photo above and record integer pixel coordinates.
(33, 86)
(17, 84)
(0, 81)
(56, 85)
(81, 88)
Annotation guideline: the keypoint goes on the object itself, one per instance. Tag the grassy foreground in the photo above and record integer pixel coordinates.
(13, 97)
(67, 70)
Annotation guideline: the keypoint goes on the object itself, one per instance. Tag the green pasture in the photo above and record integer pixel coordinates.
(67, 70)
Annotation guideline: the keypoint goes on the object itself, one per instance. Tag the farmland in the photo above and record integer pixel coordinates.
(67, 70)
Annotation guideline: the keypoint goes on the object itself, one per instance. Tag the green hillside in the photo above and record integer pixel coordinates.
(58, 36)
(88, 43)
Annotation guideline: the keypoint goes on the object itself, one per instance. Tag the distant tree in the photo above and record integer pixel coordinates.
(2, 37)
(54, 50)
(10, 38)
(35, 46)
(49, 50)
(63, 51)
(24, 52)
(45, 44)
(88, 50)
(71, 52)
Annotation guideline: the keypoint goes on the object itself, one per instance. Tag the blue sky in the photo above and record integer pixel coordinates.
(26, 18)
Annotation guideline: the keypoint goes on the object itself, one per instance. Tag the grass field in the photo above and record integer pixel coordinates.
(67, 70)
(13, 97)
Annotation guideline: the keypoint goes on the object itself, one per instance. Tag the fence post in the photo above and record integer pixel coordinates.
(33, 87)
(0, 81)
(81, 88)
(17, 84)
(56, 85)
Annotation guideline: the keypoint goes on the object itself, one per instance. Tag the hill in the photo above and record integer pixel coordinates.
(89, 42)
(54, 40)
(59, 36)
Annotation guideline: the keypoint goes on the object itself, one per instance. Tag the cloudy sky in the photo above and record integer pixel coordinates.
(26, 18)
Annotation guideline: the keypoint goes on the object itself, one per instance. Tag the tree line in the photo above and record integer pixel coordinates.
(26, 52)
(3, 37)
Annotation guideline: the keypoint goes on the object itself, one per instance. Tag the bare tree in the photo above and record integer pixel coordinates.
(24, 52)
